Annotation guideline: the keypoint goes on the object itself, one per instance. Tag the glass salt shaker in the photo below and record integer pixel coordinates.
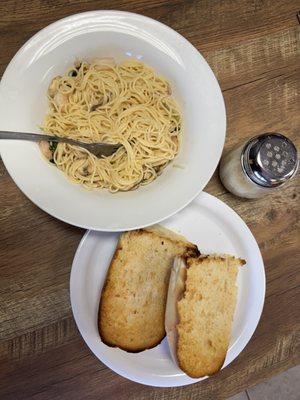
(256, 168)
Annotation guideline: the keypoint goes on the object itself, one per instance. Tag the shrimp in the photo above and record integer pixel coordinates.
(104, 63)
(44, 147)
(53, 87)
(60, 99)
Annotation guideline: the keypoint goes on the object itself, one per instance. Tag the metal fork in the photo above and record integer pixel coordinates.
(98, 149)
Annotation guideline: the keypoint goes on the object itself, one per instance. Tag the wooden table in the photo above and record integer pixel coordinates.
(254, 49)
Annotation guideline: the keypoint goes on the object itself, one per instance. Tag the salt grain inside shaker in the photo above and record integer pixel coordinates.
(255, 169)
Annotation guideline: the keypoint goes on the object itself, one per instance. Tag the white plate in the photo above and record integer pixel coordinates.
(122, 35)
(215, 228)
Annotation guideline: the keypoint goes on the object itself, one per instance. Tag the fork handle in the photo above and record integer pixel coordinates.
(34, 137)
(98, 149)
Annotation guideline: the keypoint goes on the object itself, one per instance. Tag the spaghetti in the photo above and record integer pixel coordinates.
(123, 103)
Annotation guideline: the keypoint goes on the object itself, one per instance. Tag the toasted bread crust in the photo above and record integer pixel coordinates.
(201, 258)
(106, 339)
(205, 314)
(132, 304)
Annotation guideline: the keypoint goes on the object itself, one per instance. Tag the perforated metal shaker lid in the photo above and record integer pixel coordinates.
(269, 159)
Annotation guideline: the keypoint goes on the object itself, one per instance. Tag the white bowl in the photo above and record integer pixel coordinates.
(23, 105)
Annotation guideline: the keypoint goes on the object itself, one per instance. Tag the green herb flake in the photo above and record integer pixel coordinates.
(52, 146)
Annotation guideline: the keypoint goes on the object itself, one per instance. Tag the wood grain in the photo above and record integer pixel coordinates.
(253, 48)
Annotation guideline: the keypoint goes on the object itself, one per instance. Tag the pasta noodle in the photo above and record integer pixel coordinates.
(125, 103)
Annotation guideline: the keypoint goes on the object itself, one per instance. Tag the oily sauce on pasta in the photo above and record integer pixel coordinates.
(125, 103)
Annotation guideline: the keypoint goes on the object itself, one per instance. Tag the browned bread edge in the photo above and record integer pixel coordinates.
(191, 251)
(200, 258)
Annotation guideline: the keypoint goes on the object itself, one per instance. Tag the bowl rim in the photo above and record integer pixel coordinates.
(86, 14)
